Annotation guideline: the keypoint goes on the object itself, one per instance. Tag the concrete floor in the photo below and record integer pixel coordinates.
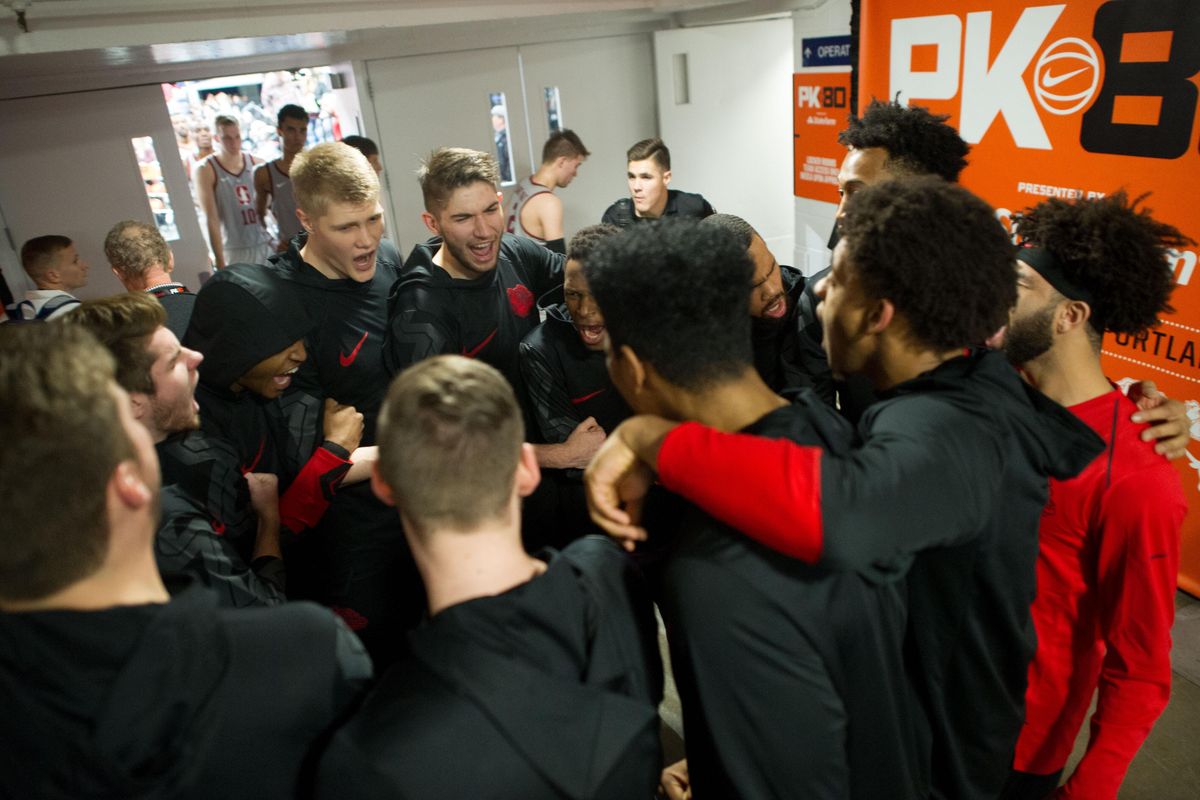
(1166, 768)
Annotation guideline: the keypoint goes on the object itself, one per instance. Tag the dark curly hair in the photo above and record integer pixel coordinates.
(1113, 249)
(585, 240)
(676, 292)
(741, 230)
(937, 252)
(917, 142)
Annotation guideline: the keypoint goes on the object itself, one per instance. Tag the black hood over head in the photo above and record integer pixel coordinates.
(244, 314)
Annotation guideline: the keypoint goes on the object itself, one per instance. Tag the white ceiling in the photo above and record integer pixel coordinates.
(74, 45)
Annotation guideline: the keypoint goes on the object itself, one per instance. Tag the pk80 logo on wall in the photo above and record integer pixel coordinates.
(1134, 77)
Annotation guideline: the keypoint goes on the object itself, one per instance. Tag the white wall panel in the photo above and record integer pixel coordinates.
(606, 86)
(607, 91)
(732, 140)
(424, 102)
(68, 168)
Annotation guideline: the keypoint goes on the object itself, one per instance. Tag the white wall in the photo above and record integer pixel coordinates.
(732, 140)
(422, 102)
(813, 218)
(607, 91)
(68, 168)
(10, 263)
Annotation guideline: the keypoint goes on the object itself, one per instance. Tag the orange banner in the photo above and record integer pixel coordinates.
(820, 111)
(1069, 100)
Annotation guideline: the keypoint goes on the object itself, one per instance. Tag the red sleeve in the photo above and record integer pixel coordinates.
(1138, 562)
(768, 489)
(304, 503)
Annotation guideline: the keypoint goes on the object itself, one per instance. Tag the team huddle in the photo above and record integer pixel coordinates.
(347, 524)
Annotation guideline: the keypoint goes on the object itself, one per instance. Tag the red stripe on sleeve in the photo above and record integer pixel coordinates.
(769, 489)
(304, 503)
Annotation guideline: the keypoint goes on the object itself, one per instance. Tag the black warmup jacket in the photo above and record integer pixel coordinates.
(791, 676)
(973, 577)
(189, 542)
(565, 382)
(431, 313)
(546, 691)
(208, 471)
(776, 351)
(358, 562)
(349, 318)
(245, 314)
(178, 302)
(947, 486)
(174, 700)
(679, 204)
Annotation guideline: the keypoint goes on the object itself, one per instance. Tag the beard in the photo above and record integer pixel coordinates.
(774, 323)
(1029, 338)
(175, 420)
(462, 254)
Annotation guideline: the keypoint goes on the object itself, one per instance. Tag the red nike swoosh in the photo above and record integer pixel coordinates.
(586, 397)
(474, 351)
(354, 620)
(218, 527)
(262, 443)
(347, 360)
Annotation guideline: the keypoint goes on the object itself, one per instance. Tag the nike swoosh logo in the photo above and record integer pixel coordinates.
(218, 527)
(474, 351)
(586, 397)
(262, 444)
(1054, 80)
(347, 360)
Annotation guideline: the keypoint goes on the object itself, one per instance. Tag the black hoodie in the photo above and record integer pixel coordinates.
(946, 487)
(565, 382)
(361, 565)
(350, 323)
(774, 340)
(244, 315)
(174, 700)
(190, 542)
(549, 690)
(791, 676)
(679, 204)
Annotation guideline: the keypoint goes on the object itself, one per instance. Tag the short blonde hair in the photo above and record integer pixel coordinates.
(332, 172)
(449, 438)
(450, 168)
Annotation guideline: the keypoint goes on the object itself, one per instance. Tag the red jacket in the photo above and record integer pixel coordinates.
(1107, 569)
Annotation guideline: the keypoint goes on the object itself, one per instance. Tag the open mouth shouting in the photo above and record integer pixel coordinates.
(483, 253)
(365, 262)
(592, 335)
(285, 380)
(776, 308)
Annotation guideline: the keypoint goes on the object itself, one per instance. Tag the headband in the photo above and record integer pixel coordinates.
(1044, 263)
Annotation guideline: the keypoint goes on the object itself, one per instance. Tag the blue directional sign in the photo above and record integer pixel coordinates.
(825, 51)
